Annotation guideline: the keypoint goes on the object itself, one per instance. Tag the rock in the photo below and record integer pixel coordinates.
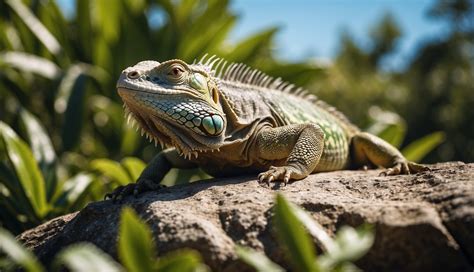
(423, 222)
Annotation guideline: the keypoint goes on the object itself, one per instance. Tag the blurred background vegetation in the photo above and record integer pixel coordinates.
(64, 141)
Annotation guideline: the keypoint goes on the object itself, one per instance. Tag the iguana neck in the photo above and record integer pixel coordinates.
(245, 113)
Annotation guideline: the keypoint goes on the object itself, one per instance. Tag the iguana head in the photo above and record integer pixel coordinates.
(175, 104)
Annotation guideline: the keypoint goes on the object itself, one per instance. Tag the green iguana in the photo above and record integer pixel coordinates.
(229, 119)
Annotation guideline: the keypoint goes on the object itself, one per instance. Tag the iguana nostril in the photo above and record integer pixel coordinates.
(133, 75)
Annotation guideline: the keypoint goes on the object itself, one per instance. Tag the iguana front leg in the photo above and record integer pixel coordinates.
(368, 148)
(152, 175)
(300, 144)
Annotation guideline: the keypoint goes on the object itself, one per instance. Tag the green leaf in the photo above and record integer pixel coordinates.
(316, 230)
(247, 50)
(75, 188)
(42, 149)
(106, 18)
(31, 64)
(85, 257)
(257, 260)
(35, 26)
(111, 169)
(300, 74)
(292, 235)
(26, 169)
(39, 140)
(351, 245)
(70, 101)
(17, 253)
(134, 167)
(136, 248)
(130, 139)
(136, 6)
(418, 149)
(388, 126)
(393, 134)
(182, 260)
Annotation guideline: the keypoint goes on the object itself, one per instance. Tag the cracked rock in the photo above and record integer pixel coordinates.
(422, 222)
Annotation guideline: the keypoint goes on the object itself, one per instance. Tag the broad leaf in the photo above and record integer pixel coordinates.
(388, 126)
(182, 260)
(247, 50)
(134, 167)
(31, 64)
(70, 101)
(35, 26)
(295, 240)
(257, 260)
(112, 170)
(42, 149)
(84, 258)
(135, 247)
(418, 149)
(75, 188)
(39, 140)
(351, 244)
(316, 230)
(17, 253)
(26, 169)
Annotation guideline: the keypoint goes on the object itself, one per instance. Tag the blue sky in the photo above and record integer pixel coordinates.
(313, 28)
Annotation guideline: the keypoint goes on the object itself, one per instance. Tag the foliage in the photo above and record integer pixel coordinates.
(30, 190)
(434, 92)
(290, 222)
(136, 253)
(62, 119)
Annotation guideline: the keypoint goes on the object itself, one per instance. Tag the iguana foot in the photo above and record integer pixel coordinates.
(280, 173)
(141, 186)
(405, 167)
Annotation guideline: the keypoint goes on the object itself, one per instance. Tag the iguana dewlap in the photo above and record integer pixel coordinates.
(234, 120)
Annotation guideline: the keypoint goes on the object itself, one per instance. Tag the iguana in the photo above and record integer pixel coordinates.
(230, 119)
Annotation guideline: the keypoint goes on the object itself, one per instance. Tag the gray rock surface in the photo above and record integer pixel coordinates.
(423, 222)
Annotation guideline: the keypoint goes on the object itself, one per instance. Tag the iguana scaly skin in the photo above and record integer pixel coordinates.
(231, 120)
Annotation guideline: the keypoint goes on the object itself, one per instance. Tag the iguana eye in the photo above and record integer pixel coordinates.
(176, 72)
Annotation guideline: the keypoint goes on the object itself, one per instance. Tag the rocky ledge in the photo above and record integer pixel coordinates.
(423, 222)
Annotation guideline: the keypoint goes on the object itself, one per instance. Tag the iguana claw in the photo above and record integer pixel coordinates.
(141, 186)
(406, 167)
(279, 174)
